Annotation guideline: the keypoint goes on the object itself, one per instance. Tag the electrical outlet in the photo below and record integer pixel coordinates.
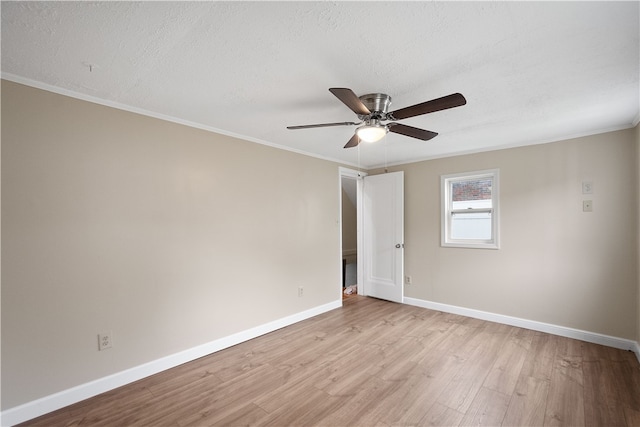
(105, 341)
(407, 280)
(300, 291)
(587, 187)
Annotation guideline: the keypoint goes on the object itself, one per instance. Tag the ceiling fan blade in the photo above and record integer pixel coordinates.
(351, 100)
(323, 125)
(449, 101)
(353, 141)
(422, 134)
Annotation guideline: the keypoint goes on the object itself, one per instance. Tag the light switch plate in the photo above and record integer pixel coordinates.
(587, 206)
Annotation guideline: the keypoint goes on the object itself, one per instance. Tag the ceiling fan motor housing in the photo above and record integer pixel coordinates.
(377, 103)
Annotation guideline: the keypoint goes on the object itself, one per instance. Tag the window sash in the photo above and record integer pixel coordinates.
(470, 210)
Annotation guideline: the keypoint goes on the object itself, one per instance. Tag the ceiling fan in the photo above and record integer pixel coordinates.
(372, 109)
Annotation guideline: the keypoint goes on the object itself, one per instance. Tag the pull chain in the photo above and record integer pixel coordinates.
(358, 148)
(385, 154)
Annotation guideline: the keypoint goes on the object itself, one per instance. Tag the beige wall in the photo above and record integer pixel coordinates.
(168, 236)
(556, 264)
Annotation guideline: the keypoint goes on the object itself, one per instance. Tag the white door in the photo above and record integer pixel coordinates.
(383, 226)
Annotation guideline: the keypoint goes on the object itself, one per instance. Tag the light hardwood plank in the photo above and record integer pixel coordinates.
(487, 409)
(565, 403)
(440, 415)
(485, 346)
(540, 360)
(601, 401)
(528, 403)
(508, 364)
(375, 363)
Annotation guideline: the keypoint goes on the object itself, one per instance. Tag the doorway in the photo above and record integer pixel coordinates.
(349, 237)
(379, 234)
(350, 232)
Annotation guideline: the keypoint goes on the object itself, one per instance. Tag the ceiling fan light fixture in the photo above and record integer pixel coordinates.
(373, 108)
(371, 133)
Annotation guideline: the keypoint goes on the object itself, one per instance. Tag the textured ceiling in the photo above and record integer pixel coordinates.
(532, 72)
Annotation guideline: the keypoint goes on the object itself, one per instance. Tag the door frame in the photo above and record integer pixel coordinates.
(358, 176)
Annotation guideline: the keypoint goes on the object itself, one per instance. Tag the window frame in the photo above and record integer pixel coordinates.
(446, 183)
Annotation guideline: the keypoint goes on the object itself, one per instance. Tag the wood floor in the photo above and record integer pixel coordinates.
(376, 363)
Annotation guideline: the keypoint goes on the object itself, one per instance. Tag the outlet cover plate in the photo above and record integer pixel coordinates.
(105, 341)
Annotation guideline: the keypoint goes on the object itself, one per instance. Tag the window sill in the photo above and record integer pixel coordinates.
(470, 245)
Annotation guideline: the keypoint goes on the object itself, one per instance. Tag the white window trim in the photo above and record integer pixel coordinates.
(446, 209)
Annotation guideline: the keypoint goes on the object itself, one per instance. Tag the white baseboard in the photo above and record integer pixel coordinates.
(73, 395)
(562, 331)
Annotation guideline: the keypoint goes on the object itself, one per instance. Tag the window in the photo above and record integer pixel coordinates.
(470, 209)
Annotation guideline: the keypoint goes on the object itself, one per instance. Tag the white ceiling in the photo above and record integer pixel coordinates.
(532, 72)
